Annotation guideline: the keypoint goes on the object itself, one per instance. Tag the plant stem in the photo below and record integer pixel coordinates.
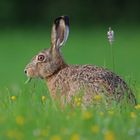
(112, 56)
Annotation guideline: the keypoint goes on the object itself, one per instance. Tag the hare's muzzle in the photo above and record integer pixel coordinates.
(25, 71)
(29, 74)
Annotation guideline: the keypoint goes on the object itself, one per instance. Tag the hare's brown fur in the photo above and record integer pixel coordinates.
(91, 80)
(68, 80)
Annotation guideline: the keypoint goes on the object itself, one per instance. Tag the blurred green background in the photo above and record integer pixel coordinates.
(25, 27)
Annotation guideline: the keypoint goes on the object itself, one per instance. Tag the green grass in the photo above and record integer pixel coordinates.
(25, 115)
(30, 113)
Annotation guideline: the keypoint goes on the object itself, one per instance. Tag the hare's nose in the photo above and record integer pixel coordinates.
(25, 71)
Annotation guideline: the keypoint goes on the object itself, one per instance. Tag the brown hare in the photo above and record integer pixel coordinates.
(67, 81)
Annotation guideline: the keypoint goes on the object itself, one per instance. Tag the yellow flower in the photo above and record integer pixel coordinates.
(43, 98)
(101, 113)
(75, 137)
(98, 97)
(111, 113)
(20, 120)
(109, 135)
(14, 134)
(78, 101)
(44, 132)
(95, 129)
(133, 115)
(137, 107)
(78, 104)
(13, 98)
(87, 115)
(56, 137)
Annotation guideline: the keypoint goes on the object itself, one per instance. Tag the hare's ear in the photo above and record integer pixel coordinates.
(60, 32)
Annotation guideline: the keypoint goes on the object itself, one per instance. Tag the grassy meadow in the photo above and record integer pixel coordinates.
(27, 112)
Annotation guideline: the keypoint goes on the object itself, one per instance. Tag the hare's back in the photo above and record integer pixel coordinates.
(91, 75)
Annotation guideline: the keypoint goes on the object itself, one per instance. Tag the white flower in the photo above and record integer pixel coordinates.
(110, 35)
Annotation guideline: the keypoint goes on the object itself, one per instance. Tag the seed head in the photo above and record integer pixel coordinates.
(110, 35)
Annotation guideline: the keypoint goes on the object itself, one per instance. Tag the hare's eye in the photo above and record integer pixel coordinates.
(41, 57)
